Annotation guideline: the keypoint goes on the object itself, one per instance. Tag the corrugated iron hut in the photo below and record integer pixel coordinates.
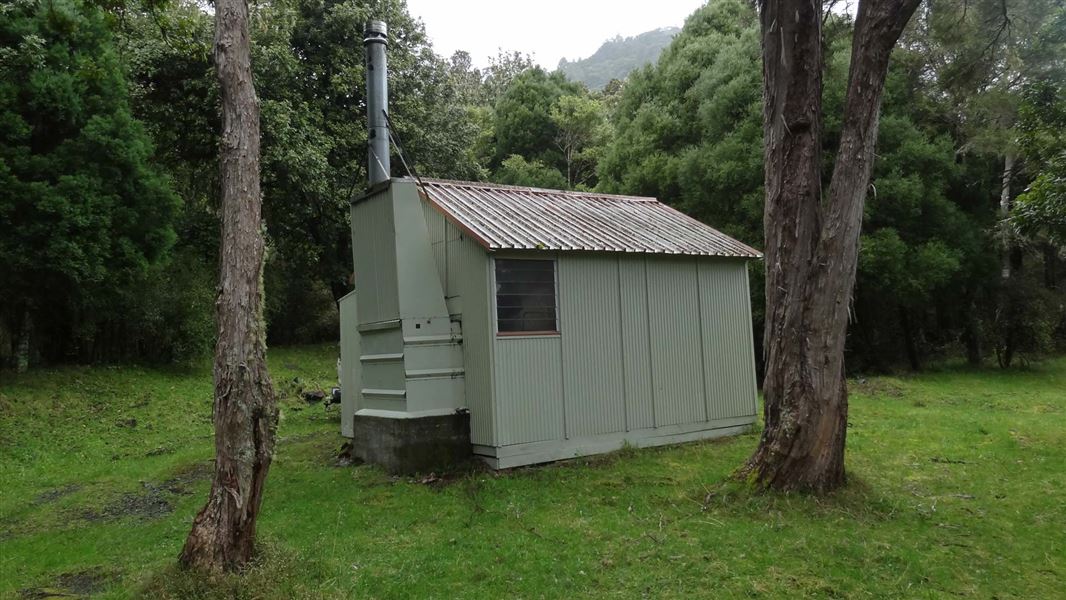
(527, 325)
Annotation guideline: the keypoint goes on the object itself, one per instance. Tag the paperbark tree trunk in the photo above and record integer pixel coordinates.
(245, 410)
(811, 244)
(1004, 214)
(1007, 259)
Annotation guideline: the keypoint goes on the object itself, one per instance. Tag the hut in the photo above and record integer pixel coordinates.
(525, 325)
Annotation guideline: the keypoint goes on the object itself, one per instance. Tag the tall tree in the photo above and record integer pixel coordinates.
(580, 132)
(811, 243)
(981, 55)
(523, 123)
(1040, 212)
(687, 129)
(245, 409)
(85, 215)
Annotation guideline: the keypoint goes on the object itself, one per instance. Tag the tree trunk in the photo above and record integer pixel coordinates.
(972, 337)
(1010, 262)
(245, 411)
(1007, 356)
(1004, 214)
(22, 350)
(909, 342)
(811, 248)
(569, 170)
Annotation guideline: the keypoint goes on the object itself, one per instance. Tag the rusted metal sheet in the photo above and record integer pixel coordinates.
(501, 217)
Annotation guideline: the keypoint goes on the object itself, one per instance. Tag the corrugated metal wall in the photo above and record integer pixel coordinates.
(463, 269)
(473, 296)
(729, 363)
(529, 389)
(447, 242)
(646, 342)
(437, 227)
(676, 346)
(591, 346)
(636, 348)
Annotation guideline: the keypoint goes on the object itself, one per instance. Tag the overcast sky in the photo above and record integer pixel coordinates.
(547, 29)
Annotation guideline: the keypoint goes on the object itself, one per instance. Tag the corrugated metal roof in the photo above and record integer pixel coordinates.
(504, 217)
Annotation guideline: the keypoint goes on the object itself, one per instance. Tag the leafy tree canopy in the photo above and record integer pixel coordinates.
(83, 212)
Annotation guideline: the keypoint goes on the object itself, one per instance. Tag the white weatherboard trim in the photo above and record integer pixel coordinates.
(518, 455)
(380, 325)
(402, 414)
(380, 393)
(388, 357)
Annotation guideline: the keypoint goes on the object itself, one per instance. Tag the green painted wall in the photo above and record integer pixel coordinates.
(374, 254)
(593, 383)
(529, 391)
(462, 270)
(646, 342)
(411, 357)
(351, 366)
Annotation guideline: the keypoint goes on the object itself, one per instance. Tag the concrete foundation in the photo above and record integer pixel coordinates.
(405, 446)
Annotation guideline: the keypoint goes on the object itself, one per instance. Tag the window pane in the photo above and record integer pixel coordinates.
(525, 295)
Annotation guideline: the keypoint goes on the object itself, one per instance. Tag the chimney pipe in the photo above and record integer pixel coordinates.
(375, 40)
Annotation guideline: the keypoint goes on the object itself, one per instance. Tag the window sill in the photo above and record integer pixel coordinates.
(524, 334)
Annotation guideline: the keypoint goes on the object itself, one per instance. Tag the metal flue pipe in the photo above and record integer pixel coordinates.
(375, 40)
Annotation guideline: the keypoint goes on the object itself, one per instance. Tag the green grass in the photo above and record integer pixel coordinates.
(957, 482)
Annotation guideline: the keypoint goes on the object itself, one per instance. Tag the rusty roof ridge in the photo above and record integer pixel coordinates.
(536, 190)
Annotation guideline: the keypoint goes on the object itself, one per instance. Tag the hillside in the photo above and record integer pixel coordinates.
(617, 57)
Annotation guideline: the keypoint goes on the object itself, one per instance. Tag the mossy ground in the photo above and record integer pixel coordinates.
(957, 482)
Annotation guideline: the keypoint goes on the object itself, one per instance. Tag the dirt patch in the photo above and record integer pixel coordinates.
(79, 584)
(152, 504)
(55, 494)
(194, 473)
(155, 501)
(9, 529)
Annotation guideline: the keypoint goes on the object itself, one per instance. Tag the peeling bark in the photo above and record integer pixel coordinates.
(1004, 214)
(245, 410)
(1010, 260)
(811, 245)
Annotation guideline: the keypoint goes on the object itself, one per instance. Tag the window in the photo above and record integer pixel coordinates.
(525, 296)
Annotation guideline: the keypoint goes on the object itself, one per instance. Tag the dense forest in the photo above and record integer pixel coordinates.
(618, 57)
(109, 118)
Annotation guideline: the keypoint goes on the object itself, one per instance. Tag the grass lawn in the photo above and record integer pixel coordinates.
(957, 488)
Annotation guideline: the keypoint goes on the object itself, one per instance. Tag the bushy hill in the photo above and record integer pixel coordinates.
(617, 57)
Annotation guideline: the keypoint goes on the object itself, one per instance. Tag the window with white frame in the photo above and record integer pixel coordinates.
(526, 301)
